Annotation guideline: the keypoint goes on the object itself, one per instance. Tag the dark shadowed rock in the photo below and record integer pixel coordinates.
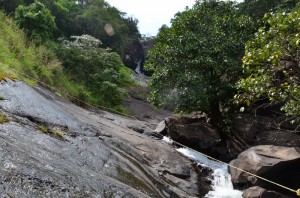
(278, 138)
(192, 131)
(278, 164)
(258, 130)
(132, 54)
(248, 126)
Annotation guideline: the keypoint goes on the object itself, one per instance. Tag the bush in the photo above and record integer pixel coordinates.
(37, 20)
(99, 70)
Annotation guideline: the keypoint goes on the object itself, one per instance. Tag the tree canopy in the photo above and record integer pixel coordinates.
(198, 58)
(101, 72)
(272, 62)
(256, 9)
(93, 17)
(37, 20)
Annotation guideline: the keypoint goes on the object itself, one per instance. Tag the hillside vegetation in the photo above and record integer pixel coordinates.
(24, 59)
(17, 54)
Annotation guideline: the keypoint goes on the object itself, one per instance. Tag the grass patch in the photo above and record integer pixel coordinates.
(3, 119)
(58, 133)
(5, 76)
(42, 128)
(46, 130)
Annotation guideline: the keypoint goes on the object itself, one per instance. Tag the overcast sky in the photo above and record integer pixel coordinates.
(152, 14)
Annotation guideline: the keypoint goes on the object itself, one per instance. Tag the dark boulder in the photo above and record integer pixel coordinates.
(260, 130)
(192, 131)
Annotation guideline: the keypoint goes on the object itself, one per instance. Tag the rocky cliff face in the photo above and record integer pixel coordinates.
(132, 54)
(52, 148)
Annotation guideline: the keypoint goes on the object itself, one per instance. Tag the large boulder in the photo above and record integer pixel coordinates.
(276, 163)
(258, 192)
(192, 131)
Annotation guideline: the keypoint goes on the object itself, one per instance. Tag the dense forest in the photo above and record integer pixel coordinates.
(220, 57)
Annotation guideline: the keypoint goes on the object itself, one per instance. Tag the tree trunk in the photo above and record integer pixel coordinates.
(216, 115)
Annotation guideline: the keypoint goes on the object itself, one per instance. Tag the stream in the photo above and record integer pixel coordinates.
(222, 186)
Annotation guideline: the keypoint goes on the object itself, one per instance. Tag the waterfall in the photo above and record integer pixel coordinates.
(138, 67)
(221, 184)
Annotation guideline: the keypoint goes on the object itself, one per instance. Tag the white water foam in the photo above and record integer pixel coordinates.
(168, 140)
(222, 186)
(138, 67)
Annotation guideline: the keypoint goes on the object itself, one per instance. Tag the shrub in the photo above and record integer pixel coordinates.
(3, 118)
(100, 71)
(58, 133)
(37, 20)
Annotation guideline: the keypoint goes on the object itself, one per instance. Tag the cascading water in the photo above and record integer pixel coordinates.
(221, 184)
(138, 67)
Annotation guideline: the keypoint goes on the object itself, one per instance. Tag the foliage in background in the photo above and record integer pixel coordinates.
(272, 63)
(198, 59)
(17, 54)
(37, 20)
(100, 71)
(65, 12)
(9, 6)
(256, 9)
(94, 17)
(102, 21)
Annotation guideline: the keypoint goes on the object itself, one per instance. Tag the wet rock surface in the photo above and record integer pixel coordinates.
(52, 148)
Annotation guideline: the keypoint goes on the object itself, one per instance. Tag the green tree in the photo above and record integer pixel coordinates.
(37, 20)
(271, 63)
(198, 59)
(105, 22)
(100, 71)
(64, 11)
(258, 8)
(9, 6)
